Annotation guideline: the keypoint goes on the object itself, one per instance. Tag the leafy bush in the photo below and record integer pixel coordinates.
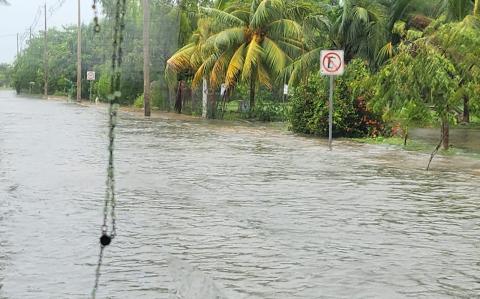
(308, 113)
(270, 111)
(138, 103)
(103, 86)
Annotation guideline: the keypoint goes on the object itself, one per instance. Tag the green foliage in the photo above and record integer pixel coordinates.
(415, 81)
(102, 86)
(460, 44)
(139, 102)
(270, 111)
(308, 113)
(5, 73)
(97, 51)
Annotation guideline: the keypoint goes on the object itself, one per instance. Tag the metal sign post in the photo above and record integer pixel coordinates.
(91, 78)
(332, 64)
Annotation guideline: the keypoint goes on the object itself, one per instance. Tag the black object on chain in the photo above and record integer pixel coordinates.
(95, 18)
(110, 200)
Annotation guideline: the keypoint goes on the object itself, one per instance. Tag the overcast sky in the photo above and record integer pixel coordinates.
(20, 15)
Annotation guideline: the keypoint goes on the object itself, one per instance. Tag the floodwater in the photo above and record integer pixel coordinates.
(243, 210)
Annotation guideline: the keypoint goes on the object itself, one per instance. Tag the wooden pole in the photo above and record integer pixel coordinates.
(79, 56)
(45, 56)
(146, 58)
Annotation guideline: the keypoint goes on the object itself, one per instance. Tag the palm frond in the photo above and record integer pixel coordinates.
(252, 58)
(284, 28)
(274, 56)
(222, 17)
(266, 12)
(235, 67)
(230, 38)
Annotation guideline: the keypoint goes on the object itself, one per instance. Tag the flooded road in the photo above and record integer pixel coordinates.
(262, 213)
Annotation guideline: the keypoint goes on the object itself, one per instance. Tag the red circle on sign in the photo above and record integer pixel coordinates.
(327, 67)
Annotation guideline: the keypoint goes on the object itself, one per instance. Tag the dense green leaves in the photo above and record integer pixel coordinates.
(309, 105)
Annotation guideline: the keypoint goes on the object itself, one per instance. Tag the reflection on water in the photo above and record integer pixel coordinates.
(256, 212)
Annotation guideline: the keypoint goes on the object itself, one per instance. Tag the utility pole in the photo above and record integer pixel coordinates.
(18, 47)
(45, 56)
(79, 56)
(146, 58)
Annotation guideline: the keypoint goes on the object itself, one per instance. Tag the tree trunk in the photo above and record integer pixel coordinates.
(252, 93)
(212, 99)
(445, 134)
(146, 58)
(179, 100)
(466, 109)
(476, 10)
(205, 98)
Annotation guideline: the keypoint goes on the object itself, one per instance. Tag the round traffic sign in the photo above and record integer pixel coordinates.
(332, 62)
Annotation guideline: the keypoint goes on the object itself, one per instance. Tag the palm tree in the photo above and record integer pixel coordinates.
(357, 26)
(246, 43)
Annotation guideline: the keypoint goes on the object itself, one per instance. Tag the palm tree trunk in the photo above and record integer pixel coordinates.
(205, 99)
(252, 92)
(476, 10)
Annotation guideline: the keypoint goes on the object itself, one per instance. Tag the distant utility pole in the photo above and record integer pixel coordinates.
(45, 56)
(18, 46)
(146, 57)
(79, 56)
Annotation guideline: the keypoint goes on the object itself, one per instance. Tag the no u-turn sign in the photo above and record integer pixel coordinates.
(332, 62)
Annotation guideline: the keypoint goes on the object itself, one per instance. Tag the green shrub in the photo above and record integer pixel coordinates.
(138, 103)
(103, 86)
(270, 111)
(308, 111)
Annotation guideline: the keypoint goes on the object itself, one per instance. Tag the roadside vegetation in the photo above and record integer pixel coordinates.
(409, 62)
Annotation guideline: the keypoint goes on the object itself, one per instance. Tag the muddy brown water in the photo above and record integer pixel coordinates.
(258, 211)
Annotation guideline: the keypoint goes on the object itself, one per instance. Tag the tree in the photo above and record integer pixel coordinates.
(421, 77)
(243, 44)
(4, 75)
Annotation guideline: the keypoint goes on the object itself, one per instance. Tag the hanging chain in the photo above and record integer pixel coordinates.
(110, 200)
(95, 18)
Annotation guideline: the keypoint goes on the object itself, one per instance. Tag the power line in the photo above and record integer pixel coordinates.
(30, 31)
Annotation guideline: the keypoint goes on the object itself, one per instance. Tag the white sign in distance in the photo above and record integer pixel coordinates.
(285, 89)
(332, 62)
(90, 76)
(223, 89)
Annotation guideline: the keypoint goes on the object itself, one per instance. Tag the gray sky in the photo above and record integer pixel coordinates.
(20, 15)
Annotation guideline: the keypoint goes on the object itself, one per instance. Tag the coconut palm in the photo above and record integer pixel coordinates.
(357, 26)
(248, 43)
